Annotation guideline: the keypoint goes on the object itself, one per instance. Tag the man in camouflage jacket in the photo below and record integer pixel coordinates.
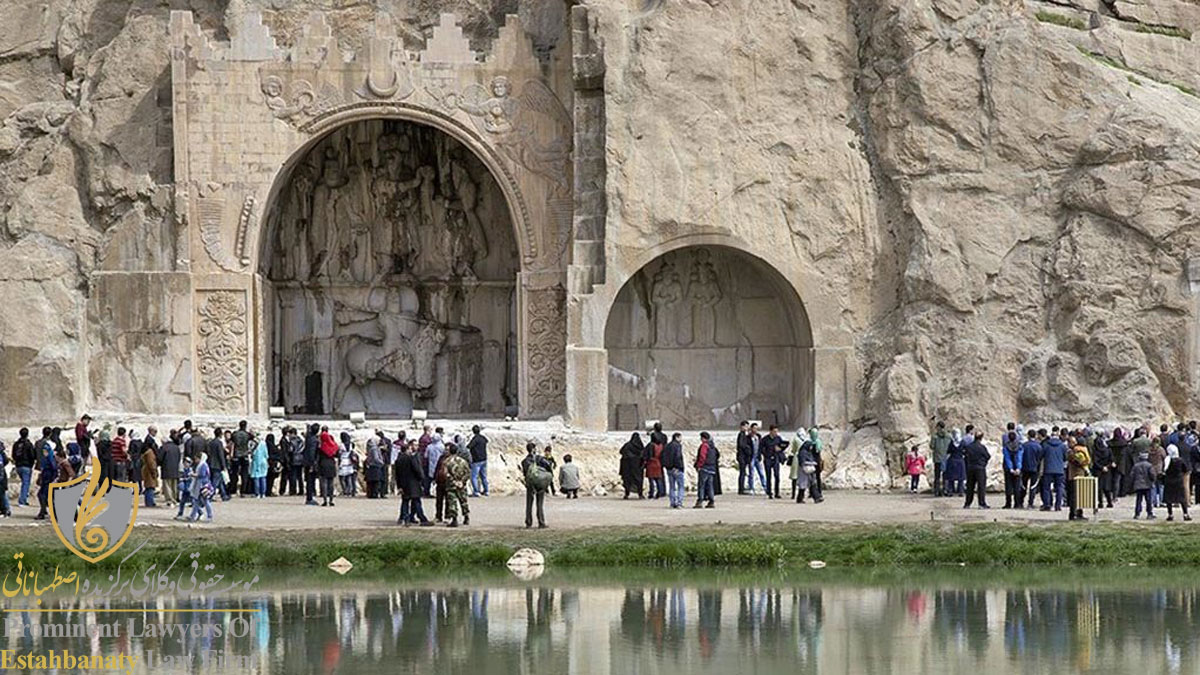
(458, 473)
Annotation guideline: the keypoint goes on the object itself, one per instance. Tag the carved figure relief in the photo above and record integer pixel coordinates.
(709, 352)
(667, 293)
(533, 127)
(221, 351)
(299, 99)
(394, 259)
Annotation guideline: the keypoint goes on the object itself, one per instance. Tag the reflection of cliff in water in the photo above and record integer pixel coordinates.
(393, 269)
(686, 630)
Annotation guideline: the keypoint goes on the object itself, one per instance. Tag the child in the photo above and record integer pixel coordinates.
(568, 478)
(914, 466)
(550, 459)
(185, 485)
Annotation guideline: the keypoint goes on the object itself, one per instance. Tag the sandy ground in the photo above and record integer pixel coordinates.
(289, 513)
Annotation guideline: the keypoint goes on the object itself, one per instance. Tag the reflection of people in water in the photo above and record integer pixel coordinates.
(708, 626)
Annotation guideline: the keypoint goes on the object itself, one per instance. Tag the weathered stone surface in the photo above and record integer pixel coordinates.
(984, 216)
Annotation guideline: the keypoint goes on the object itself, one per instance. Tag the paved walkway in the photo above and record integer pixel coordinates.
(508, 512)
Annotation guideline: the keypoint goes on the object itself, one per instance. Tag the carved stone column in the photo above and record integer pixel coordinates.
(544, 333)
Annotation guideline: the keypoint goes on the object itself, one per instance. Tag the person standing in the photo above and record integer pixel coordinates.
(536, 473)
(186, 475)
(673, 466)
(258, 466)
(479, 459)
(24, 458)
(1158, 459)
(203, 490)
(568, 478)
(631, 465)
(1174, 489)
(149, 469)
(706, 470)
(1141, 481)
(458, 474)
(1123, 456)
(5, 507)
(1013, 458)
(327, 465)
(312, 454)
(939, 444)
(410, 480)
(654, 469)
(977, 460)
(956, 465)
(120, 455)
(1078, 463)
(84, 437)
(804, 464)
(376, 468)
(433, 455)
(239, 464)
(47, 472)
(218, 464)
(293, 449)
(756, 461)
(169, 468)
(914, 466)
(549, 455)
(1104, 466)
(774, 452)
(275, 468)
(745, 452)
(1054, 462)
(1031, 466)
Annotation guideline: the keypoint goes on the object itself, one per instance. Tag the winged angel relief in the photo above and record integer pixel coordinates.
(532, 126)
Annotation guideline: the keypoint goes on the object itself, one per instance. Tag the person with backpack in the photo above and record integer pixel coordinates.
(536, 472)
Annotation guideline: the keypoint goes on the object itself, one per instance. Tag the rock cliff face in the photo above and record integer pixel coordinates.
(993, 204)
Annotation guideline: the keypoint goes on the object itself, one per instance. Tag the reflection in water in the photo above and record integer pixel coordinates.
(660, 629)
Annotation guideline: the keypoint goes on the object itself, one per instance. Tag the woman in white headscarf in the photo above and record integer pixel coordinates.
(1174, 489)
(202, 490)
(956, 465)
(804, 465)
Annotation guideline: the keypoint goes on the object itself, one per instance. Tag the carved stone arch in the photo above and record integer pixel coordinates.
(701, 335)
(325, 123)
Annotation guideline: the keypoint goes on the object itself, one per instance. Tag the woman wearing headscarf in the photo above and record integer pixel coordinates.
(1123, 460)
(374, 468)
(348, 466)
(956, 465)
(631, 465)
(202, 489)
(804, 464)
(327, 467)
(814, 447)
(259, 465)
(1174, 492)
(1104, 467)
(274, 463)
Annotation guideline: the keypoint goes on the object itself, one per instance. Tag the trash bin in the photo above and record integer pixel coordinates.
(1086, 494)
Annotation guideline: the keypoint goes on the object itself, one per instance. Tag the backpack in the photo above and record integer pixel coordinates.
(538, 476)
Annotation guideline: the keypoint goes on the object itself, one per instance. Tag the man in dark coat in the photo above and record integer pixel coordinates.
(745, 452)
(477, 446)
(218, 463)
(24, 458)
(1054, 469)
(169, 468)
(312, 447)
(977, 461)
(774, 449)
(410, 480)
(673, 466)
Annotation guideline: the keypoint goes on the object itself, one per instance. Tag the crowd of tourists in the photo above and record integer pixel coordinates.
(1157, 469)
(655, 468)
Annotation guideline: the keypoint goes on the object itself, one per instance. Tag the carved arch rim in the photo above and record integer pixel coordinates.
(645, 256)
(324, 123)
